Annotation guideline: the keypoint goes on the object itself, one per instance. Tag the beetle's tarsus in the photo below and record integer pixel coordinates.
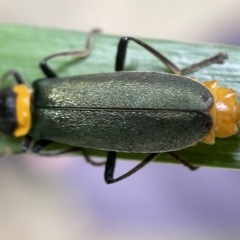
(221, 57)
(183, 161)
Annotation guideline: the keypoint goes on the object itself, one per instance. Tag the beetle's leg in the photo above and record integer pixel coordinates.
(88, 159)
(16, 76)
(217, 58)
(27, 142)
(78, 53)
(183, 161)
(122, 49)
(110, 166)
(41, 144)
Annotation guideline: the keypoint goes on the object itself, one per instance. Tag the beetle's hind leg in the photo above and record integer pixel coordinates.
(50, 73)
(122, 49)
(183, 161)
(41, 144)
(111, 162)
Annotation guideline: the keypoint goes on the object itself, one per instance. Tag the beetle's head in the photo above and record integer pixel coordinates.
(7, 111)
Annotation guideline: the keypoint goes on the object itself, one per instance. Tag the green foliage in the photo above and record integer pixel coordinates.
(22, 47)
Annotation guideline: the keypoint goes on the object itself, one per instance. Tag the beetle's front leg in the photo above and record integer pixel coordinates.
(41, 144)
(50, 73)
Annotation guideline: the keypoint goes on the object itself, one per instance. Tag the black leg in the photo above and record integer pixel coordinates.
(88, 159)
(41, 144)
(16, 76)
(110, 166)
(183, 161)
(27, 142)
(77, 53)
(122, 49)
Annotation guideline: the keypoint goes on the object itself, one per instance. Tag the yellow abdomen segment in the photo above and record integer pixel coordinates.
(23, 113)
(225, 112)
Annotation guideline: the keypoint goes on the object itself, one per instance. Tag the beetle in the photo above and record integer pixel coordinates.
(142, 112)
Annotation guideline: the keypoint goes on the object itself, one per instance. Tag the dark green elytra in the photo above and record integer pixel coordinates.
(122, 111)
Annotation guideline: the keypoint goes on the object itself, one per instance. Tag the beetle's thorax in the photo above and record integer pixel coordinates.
(23, 115)
(225, 112)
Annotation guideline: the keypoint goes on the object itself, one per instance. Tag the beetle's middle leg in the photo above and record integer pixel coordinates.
(122, 50)
(50, 73)
(110, 167)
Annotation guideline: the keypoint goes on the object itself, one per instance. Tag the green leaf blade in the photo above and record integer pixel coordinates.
(22, 47)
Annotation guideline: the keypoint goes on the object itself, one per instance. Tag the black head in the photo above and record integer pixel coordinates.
(8, 120)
